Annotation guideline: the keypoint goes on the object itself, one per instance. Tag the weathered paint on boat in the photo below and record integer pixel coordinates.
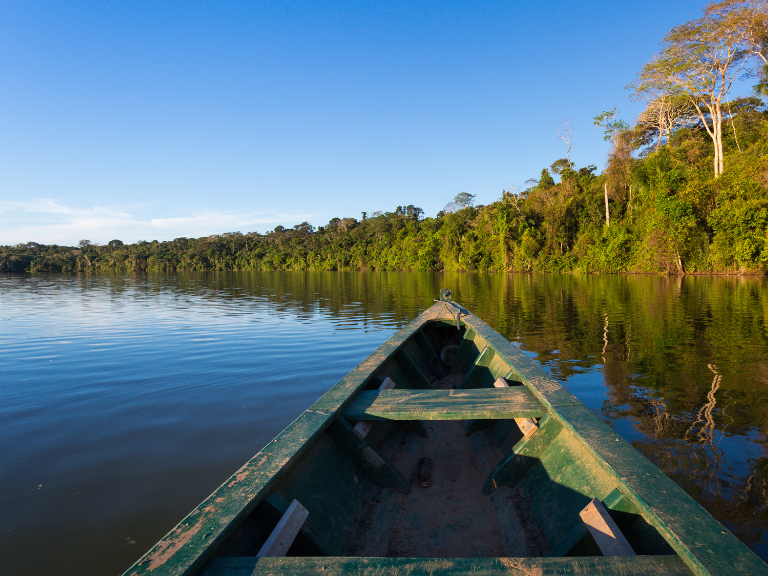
(360, 499)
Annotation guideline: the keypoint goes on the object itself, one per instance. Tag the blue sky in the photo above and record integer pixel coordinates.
(144, 121)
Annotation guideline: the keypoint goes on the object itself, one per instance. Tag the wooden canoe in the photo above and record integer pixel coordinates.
(522, 479)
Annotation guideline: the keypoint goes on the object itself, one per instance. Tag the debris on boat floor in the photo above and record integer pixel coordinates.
(424, 468)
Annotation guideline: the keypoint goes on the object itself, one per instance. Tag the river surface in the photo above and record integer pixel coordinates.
(126, 399)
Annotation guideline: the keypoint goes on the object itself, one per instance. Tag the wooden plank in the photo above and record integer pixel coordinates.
(600, 566)
(518, 461)
(480, 367)
(500, 383)
(604, 530)
(527, 426)
(362, 428)
(370, 462)
(425, 346)
(467, 352)
(614, 498)
(416, 378)
(490, 403)
(279, 506)
(283, 535)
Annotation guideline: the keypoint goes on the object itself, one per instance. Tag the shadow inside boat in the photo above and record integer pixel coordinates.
(531, 513)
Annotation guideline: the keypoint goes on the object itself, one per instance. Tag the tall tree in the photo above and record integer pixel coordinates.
(546, 180)
(663, 114)
(614, 129)
(565, 133)
(464, 199)
(702, 58)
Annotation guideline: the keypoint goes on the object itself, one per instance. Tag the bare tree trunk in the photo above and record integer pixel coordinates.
(716, 142)
(716, 132)
(566, 137)
(713, 132)
(717, 153)
(720, 135)
(607, 214)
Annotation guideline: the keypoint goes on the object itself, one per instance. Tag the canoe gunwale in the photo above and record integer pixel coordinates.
(598, 565)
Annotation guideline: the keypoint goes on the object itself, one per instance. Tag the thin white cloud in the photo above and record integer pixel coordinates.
(48, 222)
(227, 221)
(48, 206)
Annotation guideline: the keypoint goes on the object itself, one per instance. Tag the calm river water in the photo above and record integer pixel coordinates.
(127, 399)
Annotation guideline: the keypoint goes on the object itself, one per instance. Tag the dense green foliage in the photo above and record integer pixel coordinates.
(667, 214)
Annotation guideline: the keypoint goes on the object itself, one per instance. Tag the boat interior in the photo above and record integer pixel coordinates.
(403, 473)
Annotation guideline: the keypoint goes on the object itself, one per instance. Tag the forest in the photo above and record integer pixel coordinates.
(683, 191)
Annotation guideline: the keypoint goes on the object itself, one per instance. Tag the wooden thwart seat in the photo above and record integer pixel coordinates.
(597, 521)
(281, 538)
(362, 428)
(527, 426)
(488, 403)
(604, 530)
(367, 458)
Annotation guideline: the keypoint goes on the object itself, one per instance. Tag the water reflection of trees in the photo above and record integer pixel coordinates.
(683, 360)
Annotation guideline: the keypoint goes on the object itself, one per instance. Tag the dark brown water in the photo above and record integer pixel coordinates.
(125, 400)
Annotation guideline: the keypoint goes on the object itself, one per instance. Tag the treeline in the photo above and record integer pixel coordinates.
(684, 191)
(666, 214)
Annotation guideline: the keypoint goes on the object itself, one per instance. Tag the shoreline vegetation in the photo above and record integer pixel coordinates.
(684, 191)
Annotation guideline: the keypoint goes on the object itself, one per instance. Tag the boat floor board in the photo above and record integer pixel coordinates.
(617, 565)
(450, 518)
(486, 403)
(368, 460)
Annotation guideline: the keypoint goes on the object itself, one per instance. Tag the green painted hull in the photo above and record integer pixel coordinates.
(497, 503)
